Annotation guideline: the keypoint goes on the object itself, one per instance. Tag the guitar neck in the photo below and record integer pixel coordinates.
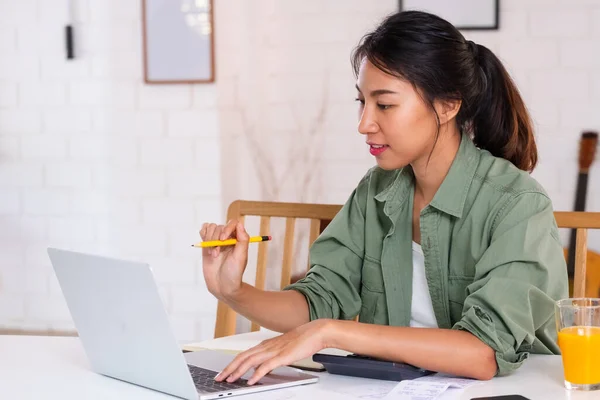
(580, 196)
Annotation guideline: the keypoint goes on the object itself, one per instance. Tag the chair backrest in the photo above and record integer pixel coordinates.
(586, 280)
(319, 215)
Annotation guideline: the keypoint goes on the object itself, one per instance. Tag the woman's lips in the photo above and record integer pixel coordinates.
(377, 149)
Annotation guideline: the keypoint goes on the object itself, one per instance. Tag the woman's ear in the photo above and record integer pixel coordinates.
(447, 110)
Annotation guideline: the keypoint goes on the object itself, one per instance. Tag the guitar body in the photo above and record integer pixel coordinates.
(587, 153)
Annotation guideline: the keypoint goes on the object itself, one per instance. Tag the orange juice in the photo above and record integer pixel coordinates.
(580, 348)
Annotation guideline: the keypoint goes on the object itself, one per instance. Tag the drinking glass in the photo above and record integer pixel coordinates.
(578, 327)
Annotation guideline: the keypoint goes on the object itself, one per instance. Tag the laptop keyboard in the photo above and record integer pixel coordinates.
(204, 379)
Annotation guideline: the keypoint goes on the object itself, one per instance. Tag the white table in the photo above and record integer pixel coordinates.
(57, 368)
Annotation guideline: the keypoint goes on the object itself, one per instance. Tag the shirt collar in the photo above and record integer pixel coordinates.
(451, 196)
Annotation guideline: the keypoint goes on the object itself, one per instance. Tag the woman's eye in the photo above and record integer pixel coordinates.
(361, 101)
(383, 106)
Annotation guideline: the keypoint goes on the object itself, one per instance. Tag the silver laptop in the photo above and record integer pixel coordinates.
(125, 331)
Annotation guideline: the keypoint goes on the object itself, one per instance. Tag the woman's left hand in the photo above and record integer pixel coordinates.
(282, 350)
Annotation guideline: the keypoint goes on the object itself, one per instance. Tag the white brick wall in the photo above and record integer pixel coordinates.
(140, 123)
(43, 147)
(85, 151)
(40, 93)
(68, 174)
(12, 308)
(18, 121)
(8, 93)
(9, 202)
(42, 202)
(165, 97)
(67, 120)
(167, 152)
(8, 39)
(560, 23)
(102, 93)
(192, 123)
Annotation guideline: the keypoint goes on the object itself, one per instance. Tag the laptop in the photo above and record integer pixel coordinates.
(125, 332)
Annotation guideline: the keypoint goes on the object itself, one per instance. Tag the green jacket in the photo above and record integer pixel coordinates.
(493, 259)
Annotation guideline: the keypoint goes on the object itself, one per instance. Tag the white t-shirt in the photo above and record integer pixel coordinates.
(421, 313)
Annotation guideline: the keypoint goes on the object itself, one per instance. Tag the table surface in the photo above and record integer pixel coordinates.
(35, 367)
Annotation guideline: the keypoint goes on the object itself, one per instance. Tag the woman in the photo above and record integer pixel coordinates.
(447, 250)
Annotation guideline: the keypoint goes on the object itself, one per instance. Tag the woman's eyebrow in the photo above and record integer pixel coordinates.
(378, 92)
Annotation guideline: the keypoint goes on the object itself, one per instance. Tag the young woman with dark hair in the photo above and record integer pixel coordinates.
(447, 250)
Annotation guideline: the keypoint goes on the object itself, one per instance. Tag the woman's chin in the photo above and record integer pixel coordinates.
(390, 165)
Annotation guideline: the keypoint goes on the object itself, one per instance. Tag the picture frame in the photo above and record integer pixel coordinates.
(463, 14)
(178, 41)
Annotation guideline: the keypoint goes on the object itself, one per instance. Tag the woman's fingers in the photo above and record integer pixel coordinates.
(210, 229)
(266, 367)
(217, 234)
(250, 362)
(228, 230)
(240, 358)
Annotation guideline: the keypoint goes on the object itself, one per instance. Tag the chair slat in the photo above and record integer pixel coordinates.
(580, 263)
(577, 219)
(288, 252)
(315, 230)
(261, 263)
(225, 325)
(286, 210)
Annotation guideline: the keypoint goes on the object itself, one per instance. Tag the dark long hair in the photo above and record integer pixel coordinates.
(434, 56)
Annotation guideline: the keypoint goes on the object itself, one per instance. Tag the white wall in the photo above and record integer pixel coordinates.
(93, 159)
(90, 158)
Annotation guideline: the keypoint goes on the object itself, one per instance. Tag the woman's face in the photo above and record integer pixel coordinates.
(400, 128)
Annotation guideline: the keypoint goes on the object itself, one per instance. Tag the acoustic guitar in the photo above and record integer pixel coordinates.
(587, 153)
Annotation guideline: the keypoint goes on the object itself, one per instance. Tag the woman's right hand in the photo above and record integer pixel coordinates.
(224, 266)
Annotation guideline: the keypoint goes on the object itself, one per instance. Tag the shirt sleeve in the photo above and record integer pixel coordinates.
(332, 285)
(517, 280)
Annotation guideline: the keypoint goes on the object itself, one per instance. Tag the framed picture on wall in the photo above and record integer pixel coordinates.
(178, 40)
(464, 14)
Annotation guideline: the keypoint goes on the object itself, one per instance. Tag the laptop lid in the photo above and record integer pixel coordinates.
(121, 321)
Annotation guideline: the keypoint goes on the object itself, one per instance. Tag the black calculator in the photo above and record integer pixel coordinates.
(367, 367)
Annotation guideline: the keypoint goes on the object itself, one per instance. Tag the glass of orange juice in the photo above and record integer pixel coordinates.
(578, 327)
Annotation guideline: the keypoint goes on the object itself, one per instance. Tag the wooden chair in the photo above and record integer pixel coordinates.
(586, 280)
(319, 215)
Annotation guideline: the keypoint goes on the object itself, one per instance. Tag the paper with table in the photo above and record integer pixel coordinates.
(429, 387)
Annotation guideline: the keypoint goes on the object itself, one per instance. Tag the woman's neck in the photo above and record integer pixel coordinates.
(430, 172)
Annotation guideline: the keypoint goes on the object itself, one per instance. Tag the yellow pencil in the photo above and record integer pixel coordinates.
(230, 242)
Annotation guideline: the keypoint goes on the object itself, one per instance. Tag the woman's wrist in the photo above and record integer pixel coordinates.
(330, 333)
(235, 295)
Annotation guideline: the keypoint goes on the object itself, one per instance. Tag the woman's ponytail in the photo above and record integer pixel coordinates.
(500, 121)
